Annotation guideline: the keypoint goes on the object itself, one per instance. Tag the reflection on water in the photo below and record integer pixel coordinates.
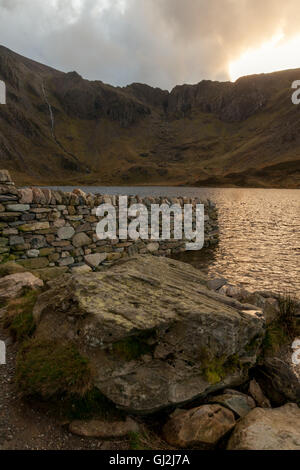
(259, 234)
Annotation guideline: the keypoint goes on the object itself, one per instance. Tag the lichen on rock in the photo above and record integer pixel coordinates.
(154, 334)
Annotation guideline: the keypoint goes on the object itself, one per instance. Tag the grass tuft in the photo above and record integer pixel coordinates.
(283, 329)
(18, 317)
(47, 369)
(93, 404)
(287, 318)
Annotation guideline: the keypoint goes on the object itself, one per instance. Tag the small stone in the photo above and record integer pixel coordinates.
(46, 251)
(9, 216)
(50, 238)
(5, 176)
(61, 243)
(34, 227)
(59, 223)
(38, 196)
(81, 239)
(27, 217)
(18, 207)
(71, 210)
(215, 284)
(26, 195)
(258, 395)
(91, 219)
(8, 197)
(23, 247)
(47, 194)
(65, 233)
(104, 429)
(38, 241)
(66, 261)
(74, 218)
(16, 240)
(153, 247)
(10, 231)
(84, 228)
(54, 257)
(79, 192)
(33, 253)
(239, 403)
(201, 427)
(34, 263)
(279, 377)
(81, 269)
(40, 210)
(95, 259)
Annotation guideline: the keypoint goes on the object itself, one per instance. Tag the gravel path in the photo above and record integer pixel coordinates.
(25, 427)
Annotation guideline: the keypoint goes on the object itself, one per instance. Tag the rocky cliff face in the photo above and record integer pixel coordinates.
(231, 102)
(58, 127)
(82, 99)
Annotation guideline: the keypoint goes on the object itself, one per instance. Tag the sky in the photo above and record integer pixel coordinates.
(159, 42)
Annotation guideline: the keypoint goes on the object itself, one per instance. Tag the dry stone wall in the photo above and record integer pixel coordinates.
(41, 227)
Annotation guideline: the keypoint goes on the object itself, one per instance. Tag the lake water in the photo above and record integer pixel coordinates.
(259, 234)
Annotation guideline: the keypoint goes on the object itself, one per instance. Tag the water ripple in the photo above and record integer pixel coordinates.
(259, 234)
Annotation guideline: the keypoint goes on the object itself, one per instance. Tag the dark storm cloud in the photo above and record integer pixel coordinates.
(160, 42)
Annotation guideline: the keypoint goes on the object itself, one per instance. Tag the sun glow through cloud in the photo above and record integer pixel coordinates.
(272, 56)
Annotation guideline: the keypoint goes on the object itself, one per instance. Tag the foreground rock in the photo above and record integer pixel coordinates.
(267, 301)
(104, 429)
(13, 285)
(258, 395)
(201, 427)
(153, 332)
(268, 429)
(237, 402)
(280, 378)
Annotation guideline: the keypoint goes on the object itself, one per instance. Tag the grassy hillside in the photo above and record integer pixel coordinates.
(214, 134)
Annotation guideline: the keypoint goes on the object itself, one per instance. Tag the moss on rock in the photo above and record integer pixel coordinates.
(49, 274)
(10, 267)
(48, 369)
(216, 369)
(133, 347)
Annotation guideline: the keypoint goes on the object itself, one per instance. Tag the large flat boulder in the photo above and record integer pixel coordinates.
(154, 334)
(268, 429)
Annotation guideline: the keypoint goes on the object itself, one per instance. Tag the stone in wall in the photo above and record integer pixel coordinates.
(40, 227)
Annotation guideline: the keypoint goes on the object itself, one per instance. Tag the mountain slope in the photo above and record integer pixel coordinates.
(59, 128)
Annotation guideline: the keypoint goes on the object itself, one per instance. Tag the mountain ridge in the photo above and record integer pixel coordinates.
(58, 128)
